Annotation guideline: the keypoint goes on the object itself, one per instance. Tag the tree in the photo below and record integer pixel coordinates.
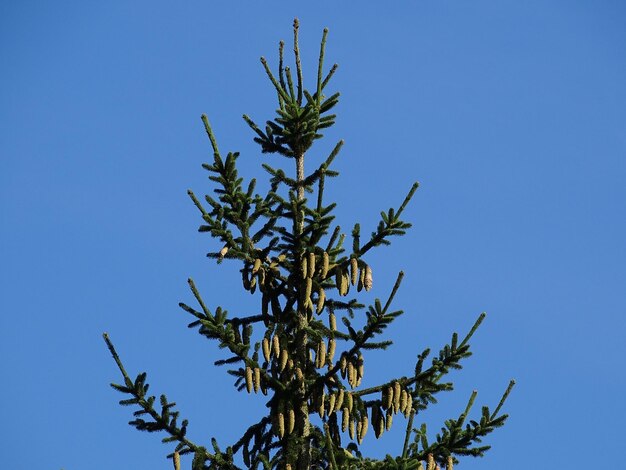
(294, 259)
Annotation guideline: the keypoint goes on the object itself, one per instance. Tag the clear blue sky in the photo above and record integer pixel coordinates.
(512, 115)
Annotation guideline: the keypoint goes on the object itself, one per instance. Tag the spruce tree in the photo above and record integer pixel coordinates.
(306, 347)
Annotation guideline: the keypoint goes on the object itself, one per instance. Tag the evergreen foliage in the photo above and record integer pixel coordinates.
(296, 260)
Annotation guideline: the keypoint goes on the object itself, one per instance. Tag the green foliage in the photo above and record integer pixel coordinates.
(294, 258)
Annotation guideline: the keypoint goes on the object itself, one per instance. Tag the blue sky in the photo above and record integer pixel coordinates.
(512, 115)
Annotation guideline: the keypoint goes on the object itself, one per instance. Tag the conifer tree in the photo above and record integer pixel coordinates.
(306, 348)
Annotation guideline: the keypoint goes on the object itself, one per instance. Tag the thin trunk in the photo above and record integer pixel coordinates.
(300, 175)
(303, 424)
